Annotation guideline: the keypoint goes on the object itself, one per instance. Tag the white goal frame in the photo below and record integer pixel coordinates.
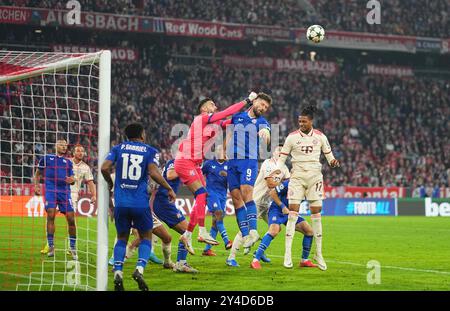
(40, 66)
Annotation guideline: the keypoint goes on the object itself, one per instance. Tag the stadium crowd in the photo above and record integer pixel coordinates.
(387, 131)
(428, 18)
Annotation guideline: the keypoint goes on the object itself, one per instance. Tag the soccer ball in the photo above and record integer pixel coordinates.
(315, 33)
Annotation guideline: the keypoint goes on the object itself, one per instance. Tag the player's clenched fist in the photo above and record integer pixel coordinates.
(251, 97)
(335, 163)
(70, 180)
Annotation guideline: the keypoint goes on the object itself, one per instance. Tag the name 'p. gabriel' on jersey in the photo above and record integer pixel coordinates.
(130, 186)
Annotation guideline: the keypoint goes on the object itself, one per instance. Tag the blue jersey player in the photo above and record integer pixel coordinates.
(58, 176)
(167, 212)
(278, 215)
(135, 162)
(215, 172)
(242, 154)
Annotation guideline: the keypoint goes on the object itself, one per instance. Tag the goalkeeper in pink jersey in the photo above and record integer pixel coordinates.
(191, 154)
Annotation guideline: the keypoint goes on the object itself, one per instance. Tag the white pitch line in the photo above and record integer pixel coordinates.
(362, 265)
(42, 280)
(391, 267)
(23, 276)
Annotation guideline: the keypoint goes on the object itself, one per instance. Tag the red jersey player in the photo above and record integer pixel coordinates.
(190, 156)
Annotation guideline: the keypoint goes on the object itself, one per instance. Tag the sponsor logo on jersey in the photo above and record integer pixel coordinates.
(127, 186)
(307, 149)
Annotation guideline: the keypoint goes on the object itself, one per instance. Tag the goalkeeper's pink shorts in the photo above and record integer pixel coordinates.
(188, 171)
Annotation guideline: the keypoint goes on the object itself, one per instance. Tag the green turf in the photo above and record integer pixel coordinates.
(413, 252)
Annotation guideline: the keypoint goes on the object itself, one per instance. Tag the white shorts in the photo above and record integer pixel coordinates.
(305, 184)
(156, 221)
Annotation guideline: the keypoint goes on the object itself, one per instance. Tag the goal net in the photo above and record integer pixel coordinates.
(44, 98)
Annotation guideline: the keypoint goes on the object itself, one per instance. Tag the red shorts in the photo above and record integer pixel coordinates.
(188, 171)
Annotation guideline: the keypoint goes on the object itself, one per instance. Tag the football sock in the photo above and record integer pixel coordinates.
(119, 254)
(265, 242)
(241, 216)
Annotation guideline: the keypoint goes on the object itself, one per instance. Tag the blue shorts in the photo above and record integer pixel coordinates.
(60, 199)
(168, 213)
(241, 172)
(277, 217)
(216, 203)
(126, 218)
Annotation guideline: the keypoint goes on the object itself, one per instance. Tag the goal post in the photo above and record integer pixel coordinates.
(46, 96)
(104, 139)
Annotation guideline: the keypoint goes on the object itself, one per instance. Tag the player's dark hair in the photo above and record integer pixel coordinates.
(202, 102)
(309, 111)
(134, 130)
(265, 97)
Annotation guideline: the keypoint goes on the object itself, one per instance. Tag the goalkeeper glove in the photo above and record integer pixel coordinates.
(251, 97)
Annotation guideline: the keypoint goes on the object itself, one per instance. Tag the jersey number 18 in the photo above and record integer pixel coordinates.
(131, 168)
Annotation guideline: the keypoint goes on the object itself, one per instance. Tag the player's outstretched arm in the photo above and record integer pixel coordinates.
(106, 173)
(225, 123)
(155, 174)
(232, 109)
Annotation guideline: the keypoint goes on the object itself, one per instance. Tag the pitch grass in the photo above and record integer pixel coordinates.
(414, 254)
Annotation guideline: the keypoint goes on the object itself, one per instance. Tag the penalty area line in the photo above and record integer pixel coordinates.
(349, 263)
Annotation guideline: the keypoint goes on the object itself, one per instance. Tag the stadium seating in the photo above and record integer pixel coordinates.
(387, 131)
(358, 112)
(414, 17)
